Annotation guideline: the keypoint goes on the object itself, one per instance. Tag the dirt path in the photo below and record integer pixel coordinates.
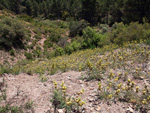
(23, 88)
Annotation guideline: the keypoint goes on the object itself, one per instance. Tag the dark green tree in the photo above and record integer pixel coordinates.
(36, 8)
(4, 4)
(29, 7)
(136, 10)
(89, 10)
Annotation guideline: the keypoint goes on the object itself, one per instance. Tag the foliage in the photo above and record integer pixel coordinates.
(12, 52)
(28, 55)
(54, 37)
(91, 38)
(11, 109)
(74, 46)
(93, 11)
(59, 51)
(43, 78)
(11, 33)
(61, 100)
(29, 105)
(134, 32)
(76, 28)
(4, 69)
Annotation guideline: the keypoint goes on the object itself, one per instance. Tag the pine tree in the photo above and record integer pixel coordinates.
(36, 8)
(29, 7)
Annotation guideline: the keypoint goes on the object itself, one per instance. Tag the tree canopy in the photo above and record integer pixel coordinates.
(93, 11)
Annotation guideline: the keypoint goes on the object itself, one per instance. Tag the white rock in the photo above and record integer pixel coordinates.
(61, 111)
(130, 110)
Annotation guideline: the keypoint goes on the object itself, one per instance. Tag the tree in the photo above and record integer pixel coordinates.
(36, 8)
(3, 4)
(11, 33)
(136, 10)
(29, 7)
(89, 10)
(15, 6)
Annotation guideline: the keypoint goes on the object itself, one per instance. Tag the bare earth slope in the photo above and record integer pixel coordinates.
(23, 88)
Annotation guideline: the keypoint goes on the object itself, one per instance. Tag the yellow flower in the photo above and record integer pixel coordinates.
(110, 84)
(129, 80)
(64, 87)
(62, 84)
(148, 98)
(123, 88)
(144, 101)
(55, 84)
(82, 91)
(99, 86)
(119, 85)
(69, 103)
(78, 100)
(110, 96)
(137, 89)
(144, 92)
(107, 88)
(133, 83)
(126, 73)
(116, 79)
(120, 74)
(82, 103)
(118, 91)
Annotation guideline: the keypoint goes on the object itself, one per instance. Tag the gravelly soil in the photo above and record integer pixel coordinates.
(23, 88)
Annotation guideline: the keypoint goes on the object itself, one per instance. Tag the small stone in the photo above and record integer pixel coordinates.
(90, 99)
(80, 81)
(91, 88)
(90, 105)
(69, 78)
(98, 108)
(29, 111)
(1, 82)
(92, 95)
(61, 110)
(45, 84)
(82, 85)
(129, 110)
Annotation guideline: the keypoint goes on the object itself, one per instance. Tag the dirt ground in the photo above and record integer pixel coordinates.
(23, 88)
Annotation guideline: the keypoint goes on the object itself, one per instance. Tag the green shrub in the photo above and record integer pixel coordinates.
(104, 28)
(76, 28)
(133, 32)
(69, 49)
(91, 38)
(59, 51)
(62, 42)
(54, 37)
(117, 28)
(11, 33)
(12, 52)
(48, 44)
(37, 52)
(28, 55)
(4, 69)
(26, 17)
(148, 42)
(29, 105)
(74, 46)
(10, 109)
